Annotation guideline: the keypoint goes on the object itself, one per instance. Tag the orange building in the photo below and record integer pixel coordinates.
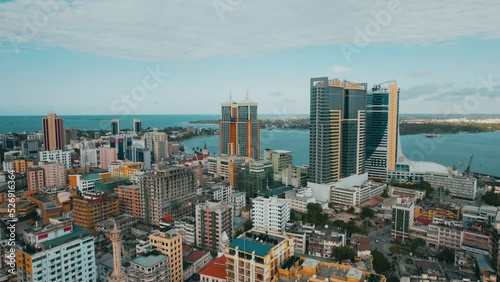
(446, 211)
(22, 165)
(127, 169)
(92, 207)
(170, 244)
(131, 200)
(239, 129)
(35, 177)
(48, 207)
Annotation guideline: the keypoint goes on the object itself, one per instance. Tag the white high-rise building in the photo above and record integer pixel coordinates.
(157, 142)
(270, 213)
(63, 252)
(88, 157)
(59, 156)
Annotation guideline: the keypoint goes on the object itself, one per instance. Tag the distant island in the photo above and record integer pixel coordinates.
(406, 127)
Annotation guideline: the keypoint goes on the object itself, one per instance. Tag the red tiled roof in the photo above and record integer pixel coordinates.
(364, 244)
(216, 268)
(195, 256)
(186, 249)
(422, 220)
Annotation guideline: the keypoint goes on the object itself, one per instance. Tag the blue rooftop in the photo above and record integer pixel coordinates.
(483, 263)
(248, 246)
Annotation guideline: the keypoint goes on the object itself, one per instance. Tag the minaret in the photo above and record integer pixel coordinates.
(205, 149)
(117, 275)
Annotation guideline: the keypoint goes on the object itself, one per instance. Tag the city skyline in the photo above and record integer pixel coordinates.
(85, 70)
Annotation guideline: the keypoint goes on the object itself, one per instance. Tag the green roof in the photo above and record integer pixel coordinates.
(274, 192)
(483, 263)
(149, 260)
(77, 232)
(250, 246)
(90, 176)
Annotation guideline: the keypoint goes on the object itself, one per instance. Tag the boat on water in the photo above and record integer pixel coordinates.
(431, 135)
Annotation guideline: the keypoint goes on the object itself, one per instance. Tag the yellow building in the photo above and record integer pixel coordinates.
(92, 207)
(22, 165)
(257, 255)
(170, 244)
(311, 270)
(128, 169)
(447, 211)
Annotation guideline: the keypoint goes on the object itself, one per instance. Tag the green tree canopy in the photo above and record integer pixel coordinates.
(416, 243)
(447, 255)
(380, 263)
(367, 212)
(315, 214)
(343, 253)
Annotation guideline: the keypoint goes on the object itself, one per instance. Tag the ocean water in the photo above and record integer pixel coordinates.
(448, 150)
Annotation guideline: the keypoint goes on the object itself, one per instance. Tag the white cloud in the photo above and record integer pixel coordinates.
(338, 69)
(192, 29)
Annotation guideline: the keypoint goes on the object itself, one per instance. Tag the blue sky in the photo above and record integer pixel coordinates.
(82, 57)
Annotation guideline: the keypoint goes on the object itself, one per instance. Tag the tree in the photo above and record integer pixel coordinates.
(385, 194)
(248, 225)
(392, 278)
(315, 214)
(350, 210)
(416, 243)
(367, 212)
(380, 263)
(343, 253)
(447, 255)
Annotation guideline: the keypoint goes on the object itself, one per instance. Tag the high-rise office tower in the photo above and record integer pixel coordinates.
(53, 132)
(337, 129)
(121, 143)
(382, 112)
(239, 129)
(115, 126)
(137, 126)
(157, 142)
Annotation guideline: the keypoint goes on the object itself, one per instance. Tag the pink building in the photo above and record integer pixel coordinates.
(107, 156)
(35, 178)
(55, 174)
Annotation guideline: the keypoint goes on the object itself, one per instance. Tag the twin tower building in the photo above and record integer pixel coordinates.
(353, 130)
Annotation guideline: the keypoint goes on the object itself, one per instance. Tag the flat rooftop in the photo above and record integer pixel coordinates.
(149, 260)
(78, 232)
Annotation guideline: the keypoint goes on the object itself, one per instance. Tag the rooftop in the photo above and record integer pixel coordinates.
(149, 260)
(195, 256)
(90, 176)
(78, 232)
(216, 268)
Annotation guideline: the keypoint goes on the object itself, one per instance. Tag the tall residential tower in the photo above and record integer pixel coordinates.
(53, 132)
(239, 129)
(337, 129)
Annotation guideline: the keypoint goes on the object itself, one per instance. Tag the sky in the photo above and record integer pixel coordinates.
(186, 57)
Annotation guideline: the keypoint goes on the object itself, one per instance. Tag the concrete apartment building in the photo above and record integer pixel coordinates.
(170, 244)
(459, 187)
(150, 267)
(186, 226)
(93, 207)
(57, 252)
(270, 213)
(356, 195)
(257, 255)
(323, 241)
(35, 179)
(107, 156)
(59, 156)
(406, 192)
(403, 216)
(157, 143)
(168, 190)
(281, 160)
(214, 225)
(131, 200)
(54, 174)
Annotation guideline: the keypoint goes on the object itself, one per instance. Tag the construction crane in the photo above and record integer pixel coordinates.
(467, 171)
